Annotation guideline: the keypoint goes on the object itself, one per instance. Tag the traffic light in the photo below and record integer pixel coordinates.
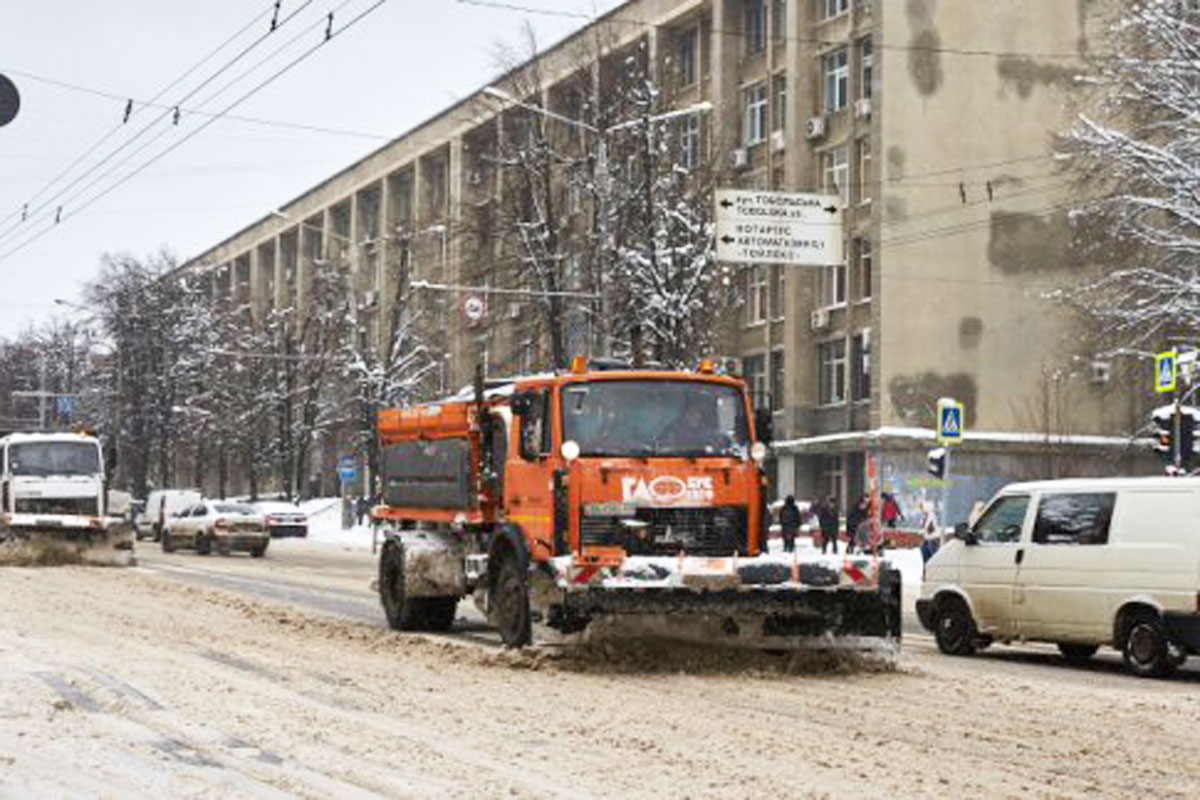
(1164, 434)
(1164, 431)
(939, 460)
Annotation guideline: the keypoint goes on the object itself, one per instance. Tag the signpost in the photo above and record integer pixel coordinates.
(950, 421)
(1165, 371)
(779, 228)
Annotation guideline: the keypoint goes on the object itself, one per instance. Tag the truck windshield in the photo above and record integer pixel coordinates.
(54, 458)
(663, 418)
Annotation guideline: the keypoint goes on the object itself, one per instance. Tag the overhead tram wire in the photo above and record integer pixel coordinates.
(320, 21)
(105, 137)
(633, 22)
(94, 167)
(263, 84)
(274, 123)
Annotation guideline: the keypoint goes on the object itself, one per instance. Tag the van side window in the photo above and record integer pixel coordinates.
(1074, 518)
(1001, 523)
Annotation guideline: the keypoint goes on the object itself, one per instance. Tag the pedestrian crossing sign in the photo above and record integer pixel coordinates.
(1165, 370)
(950, 421)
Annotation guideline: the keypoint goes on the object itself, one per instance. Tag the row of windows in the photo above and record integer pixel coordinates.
(838, 378)
(1067, 519)
(836, 90)
(765, 291)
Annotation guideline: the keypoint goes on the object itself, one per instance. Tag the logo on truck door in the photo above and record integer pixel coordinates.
(667, 490)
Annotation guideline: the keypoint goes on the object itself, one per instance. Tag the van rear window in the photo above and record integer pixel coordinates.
(1074, 518)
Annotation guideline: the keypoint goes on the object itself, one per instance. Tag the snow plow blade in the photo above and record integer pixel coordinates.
(766, 603)
(104, 543)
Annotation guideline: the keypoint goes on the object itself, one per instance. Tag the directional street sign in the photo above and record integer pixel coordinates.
(950, 421)
(779, 228)
(1165, 371)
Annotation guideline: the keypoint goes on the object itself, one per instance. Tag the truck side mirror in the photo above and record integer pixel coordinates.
(521, 403)
(963, 531)
(764, 425)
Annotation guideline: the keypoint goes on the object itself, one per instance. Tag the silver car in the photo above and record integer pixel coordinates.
(220, 524)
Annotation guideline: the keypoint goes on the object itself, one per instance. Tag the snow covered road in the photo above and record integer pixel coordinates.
(225, 677)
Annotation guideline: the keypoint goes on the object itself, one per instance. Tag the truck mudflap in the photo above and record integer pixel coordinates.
(769, 602)
(37, 541)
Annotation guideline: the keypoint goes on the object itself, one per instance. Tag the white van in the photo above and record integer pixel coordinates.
(1081, 563)
(161, 505)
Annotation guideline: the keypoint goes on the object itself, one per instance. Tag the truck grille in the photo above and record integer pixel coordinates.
(713, 531)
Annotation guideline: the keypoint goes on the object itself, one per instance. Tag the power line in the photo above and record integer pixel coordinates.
(329, 36)
(78, 179)
(631, 21)
(196, 111)
(106, 136)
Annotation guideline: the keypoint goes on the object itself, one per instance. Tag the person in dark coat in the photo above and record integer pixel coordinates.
(854, 520)
(360, 508)
(789, 523)
(827, 518)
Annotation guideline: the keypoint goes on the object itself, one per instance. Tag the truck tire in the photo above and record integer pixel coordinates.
(509, 604)
(1077, 653)
(440, 613)
(1144, 645)
(403, 613)
(953, 627)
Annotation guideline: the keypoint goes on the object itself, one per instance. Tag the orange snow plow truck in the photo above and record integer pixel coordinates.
(615, 498)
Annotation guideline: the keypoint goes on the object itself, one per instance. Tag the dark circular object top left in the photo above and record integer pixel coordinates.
(10, 101)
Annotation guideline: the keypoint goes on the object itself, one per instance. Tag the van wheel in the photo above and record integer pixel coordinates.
(403, 613)
(954, 629)
(1145, 647)
(1077, 653)
(509, 604)
(440, 613)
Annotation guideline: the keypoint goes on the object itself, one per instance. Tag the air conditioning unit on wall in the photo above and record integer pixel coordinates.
(862, 108)
(739, 158)
(819, 320)
(814, 127)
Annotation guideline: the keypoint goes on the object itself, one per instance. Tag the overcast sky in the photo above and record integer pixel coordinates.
(398, 66)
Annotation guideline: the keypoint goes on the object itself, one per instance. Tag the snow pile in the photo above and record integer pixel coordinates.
(325, 524)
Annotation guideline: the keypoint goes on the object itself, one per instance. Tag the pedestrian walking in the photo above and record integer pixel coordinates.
(827, 520)
(360, 509)
(857, 527)
(789, 523)
(890, 510)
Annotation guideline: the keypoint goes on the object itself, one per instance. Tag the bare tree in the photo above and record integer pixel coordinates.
(1142, 152)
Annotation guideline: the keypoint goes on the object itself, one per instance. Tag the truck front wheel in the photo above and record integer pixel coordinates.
(403, 613)
(509, 603)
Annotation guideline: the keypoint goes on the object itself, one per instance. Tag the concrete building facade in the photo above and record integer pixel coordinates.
(934, 121)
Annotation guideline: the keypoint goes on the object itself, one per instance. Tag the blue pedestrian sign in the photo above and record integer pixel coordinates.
(1165, 370)
(950, 421)
(347, 468)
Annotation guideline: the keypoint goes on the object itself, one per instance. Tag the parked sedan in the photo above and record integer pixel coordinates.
(283, 519)
(215, 523)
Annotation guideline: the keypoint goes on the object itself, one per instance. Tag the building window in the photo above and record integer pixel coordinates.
(754, 371)
(756, 26)
(831, 373)
(835, 173)
(860, 366)
(779, 102)
(777, 398)
(777, 292)
(833, 8)
(831, 473)
(833, 285)
(866, 56)
(690, 135)
(836, 69)
(779, 20)
(689, 45)
(754, 129)
(756, 295)
(866, 261)
(864, 170)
